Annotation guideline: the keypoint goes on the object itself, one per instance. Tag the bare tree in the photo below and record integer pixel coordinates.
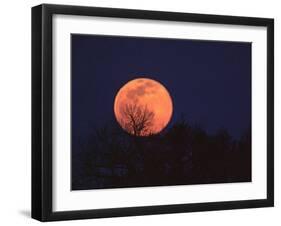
(137, 119)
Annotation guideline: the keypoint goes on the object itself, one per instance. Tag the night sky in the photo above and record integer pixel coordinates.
(209, 81)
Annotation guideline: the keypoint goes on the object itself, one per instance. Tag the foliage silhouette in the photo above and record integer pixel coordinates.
(182, 154)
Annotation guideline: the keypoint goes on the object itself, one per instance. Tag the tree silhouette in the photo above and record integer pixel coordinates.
(137, 119)
(182, 154)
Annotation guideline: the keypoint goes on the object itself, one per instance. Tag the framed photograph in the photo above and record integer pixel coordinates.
(145, 112)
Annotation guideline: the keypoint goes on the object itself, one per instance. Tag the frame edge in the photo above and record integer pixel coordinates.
(270, 112)
(36, 68)
(41, 205)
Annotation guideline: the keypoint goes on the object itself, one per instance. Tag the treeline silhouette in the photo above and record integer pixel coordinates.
(180, 155)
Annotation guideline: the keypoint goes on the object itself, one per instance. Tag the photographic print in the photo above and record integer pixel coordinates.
(159, 111)
(138, 112)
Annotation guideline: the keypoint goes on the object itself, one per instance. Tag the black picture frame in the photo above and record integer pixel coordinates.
(42, 111)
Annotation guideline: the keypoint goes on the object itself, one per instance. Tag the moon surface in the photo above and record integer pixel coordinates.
(143, 107)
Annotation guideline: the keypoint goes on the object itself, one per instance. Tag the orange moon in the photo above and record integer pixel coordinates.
(143, 107)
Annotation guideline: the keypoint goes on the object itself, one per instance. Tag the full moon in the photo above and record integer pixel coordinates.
(143, 107)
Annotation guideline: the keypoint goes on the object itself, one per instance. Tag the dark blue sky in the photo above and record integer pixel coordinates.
(210, 82)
